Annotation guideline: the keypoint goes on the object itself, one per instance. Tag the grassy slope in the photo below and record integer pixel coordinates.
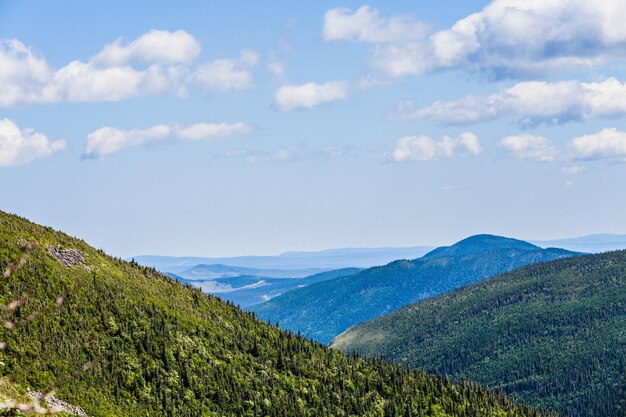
(124, 340)
(553, 335)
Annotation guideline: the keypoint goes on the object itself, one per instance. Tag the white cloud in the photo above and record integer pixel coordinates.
(574, 169)
(26, 78)
(397, 61)
(424, 148)
(530, 147)
(156, 46)
(606, 144)
(569, 183)
(227, 74)
(309, 95)
(366, 25)
(200, 131)
(507, 38)
(18, 147)
(276, 67)
(84, 82)
(19, 62)
(470, 143)
(530, 103)
(21, 72)
(109, 140)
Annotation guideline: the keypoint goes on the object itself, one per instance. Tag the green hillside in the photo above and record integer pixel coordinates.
(322, 311)
(118, 339)
(553, 335)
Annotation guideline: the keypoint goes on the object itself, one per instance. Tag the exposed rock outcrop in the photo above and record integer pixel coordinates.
(68, 257)
(57, 405)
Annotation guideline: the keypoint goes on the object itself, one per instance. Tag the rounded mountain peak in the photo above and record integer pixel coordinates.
(481, 243)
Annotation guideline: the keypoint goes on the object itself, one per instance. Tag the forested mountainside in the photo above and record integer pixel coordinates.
(322, 311)
(118, 339)
(553, 335)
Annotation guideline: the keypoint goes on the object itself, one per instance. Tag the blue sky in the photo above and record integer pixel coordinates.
(254, 128)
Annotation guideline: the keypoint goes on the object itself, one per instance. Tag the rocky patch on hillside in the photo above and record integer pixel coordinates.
(68, 257)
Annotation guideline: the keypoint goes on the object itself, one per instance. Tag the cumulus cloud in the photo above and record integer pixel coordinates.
(84, 82)
(366, 25)
(227, 74)
(77, 81)
(109, 140)
(19, 147)
(22, 72)
(606, 144)
(529, 103)
(609, 144)
(200, 131)
(309, 95)
(507, 38)
(424, 148)
(530, 147)
(19, 62)
(160, 46)
(27, 78)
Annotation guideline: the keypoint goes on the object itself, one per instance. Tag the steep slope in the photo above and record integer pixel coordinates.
(117, 339)
(324, 310)
(553, 334)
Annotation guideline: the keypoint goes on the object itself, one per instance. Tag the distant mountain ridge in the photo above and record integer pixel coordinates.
(361, 257)
(591, 244)
(323, 310)
(325, 259)
(553, 335)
